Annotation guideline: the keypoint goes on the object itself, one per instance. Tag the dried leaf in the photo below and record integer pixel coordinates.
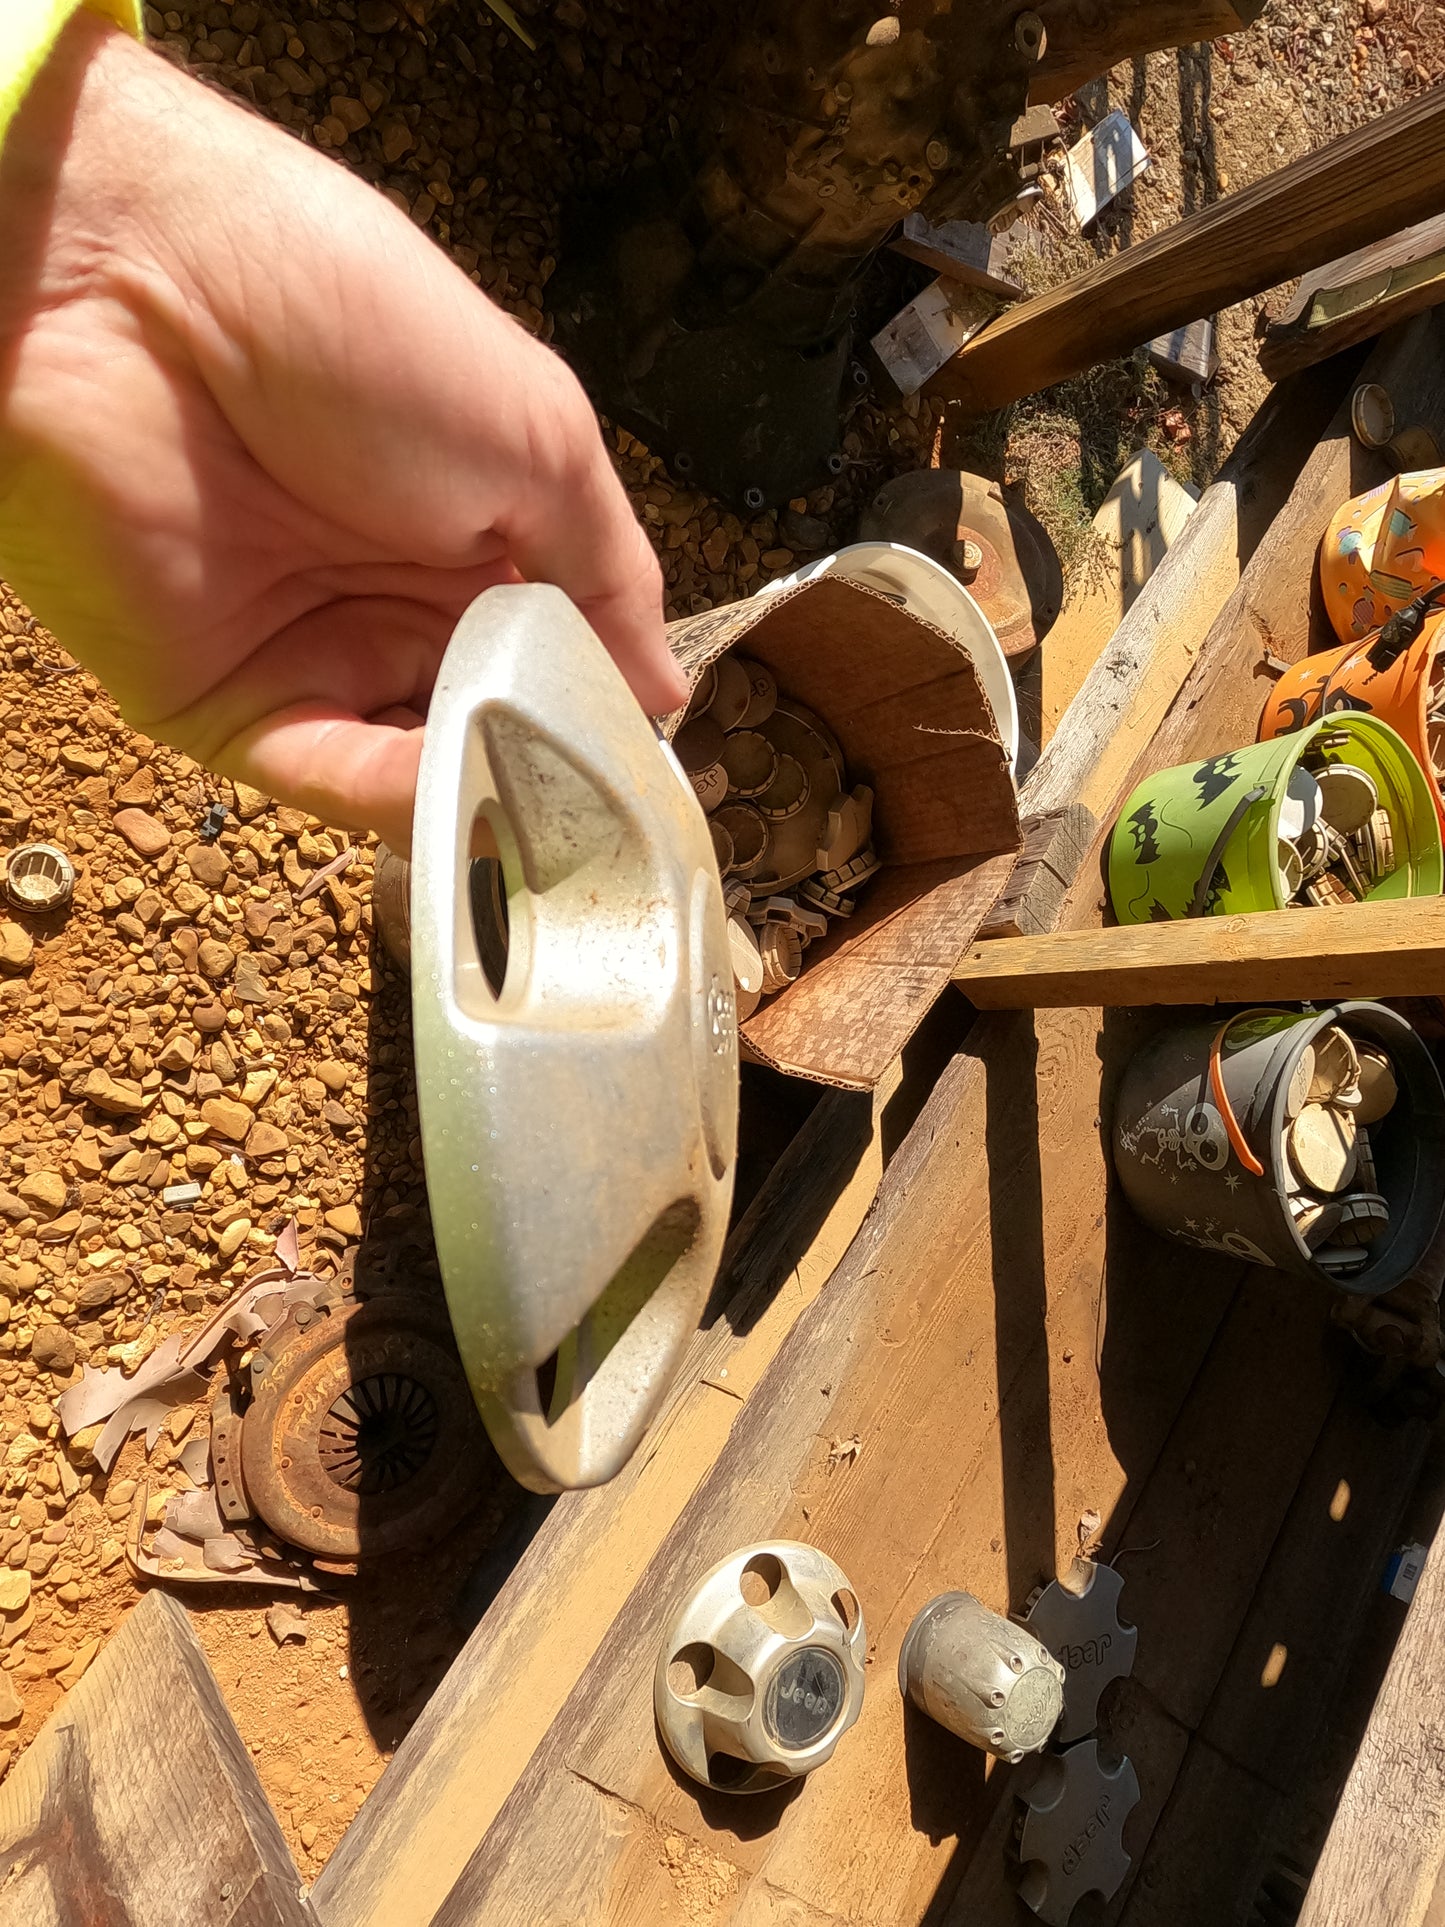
(284, 1622)
(845, 1451)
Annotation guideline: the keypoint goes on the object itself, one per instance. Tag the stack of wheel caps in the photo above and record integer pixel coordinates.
(1336, 843)
(1338, 1090)
(793, 840)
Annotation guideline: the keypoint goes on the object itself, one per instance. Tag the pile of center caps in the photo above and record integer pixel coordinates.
(793, 841)
(1338, 1089)
(1335, 841)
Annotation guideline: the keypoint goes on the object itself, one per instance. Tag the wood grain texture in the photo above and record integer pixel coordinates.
(1386, 1848)
(1357, 298)
(1359, 950)
(1344, 195)
(137, 1801)
(1043, 874)
(1084, 42)
(1139, 521)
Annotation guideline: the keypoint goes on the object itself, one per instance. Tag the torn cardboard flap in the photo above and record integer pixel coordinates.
(908, 709)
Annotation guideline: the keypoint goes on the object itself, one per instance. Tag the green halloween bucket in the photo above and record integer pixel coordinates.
(1203, 839)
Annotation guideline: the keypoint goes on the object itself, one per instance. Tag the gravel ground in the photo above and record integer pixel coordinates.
(194, 1018)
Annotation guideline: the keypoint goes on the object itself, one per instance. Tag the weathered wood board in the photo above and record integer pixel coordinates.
(1139, 521)
(1359, 297)
(137, 1801)
(1344, 195)
(1390, 949)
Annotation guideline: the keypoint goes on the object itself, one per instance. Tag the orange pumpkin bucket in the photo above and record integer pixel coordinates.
(1381, 549)
(1404, 688)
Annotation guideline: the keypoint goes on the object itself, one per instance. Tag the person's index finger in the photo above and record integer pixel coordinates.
(569, 522)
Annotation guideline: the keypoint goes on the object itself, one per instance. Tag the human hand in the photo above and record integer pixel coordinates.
(261, 443)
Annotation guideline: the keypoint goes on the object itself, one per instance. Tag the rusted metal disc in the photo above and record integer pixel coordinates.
(1017, 580)
(362, 1436)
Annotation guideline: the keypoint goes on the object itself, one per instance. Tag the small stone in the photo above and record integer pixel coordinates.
(117, 1096)
(233, 1237)
(337, 1116)
(71, 1674)
(146, 834)
(180, 1195)
(334, 1075)
(209, 1017)
(138, 789)
(53, 1348)
(208, 864)
(376, 16)
(309, 1830)
(81, 761)
(14, 1589)
(177, 1055)
(804, 531)
(46, 1191)
(215, 958)
(12, 1707)
(17, 947)
(249, 803)
(346, 1219)
(223, 1065)
(96, 1293)
(227, 1118)
(265, 1141)
(249, 985)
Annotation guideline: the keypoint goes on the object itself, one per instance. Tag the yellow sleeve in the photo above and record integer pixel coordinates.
(28, 31)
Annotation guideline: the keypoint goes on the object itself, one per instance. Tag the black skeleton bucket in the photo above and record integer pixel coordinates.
(1199, 1133)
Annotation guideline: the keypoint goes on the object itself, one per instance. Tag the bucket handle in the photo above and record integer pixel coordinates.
(1222, 1104)
(1221, 843)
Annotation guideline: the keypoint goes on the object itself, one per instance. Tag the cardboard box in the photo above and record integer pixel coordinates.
(906, 705)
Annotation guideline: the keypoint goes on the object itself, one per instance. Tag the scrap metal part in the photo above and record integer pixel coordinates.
(362, 1437)
(1069, 1839)
(982, 1677)
(1078, 1621)
(1001, 553)
(760, 1671)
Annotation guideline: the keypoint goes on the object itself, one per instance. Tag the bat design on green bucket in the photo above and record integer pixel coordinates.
(1215, 777)
(1203, 839)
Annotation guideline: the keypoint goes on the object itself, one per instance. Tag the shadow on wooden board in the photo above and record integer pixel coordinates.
(137, 1801)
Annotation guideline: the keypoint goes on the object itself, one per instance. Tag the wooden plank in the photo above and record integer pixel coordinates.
(1386, 1848)
(1043, 873)
(1261, 1729)
(1139, 521)
(1082, 42)
(1358, 297)
(1391, 949)
(1134, 682)
(138, 1802)
(1344, 195)
(410, 1840)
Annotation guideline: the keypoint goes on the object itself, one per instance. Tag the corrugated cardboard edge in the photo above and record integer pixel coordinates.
(867, 986)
